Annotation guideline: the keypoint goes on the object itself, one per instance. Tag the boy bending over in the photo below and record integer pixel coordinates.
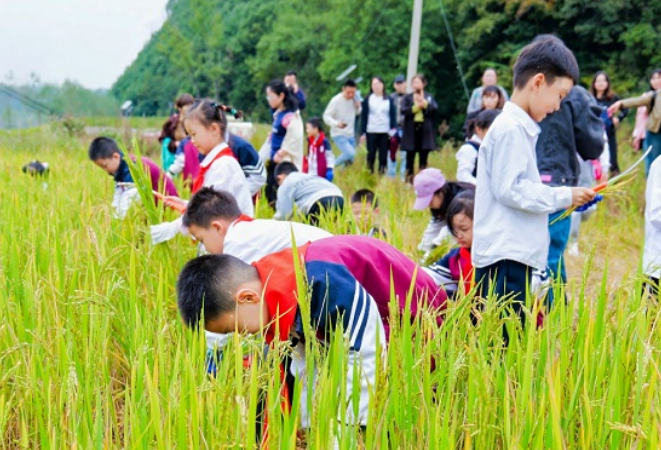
(349, 283)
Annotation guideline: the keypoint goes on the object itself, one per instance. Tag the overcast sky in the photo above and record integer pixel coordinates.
(88, 41)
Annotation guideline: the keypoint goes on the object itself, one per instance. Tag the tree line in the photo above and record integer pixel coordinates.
(230, 50)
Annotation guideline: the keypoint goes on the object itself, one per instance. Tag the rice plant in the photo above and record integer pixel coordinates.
(93, 354)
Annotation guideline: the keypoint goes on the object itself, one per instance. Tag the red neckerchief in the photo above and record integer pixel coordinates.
(199, 181)
(278, 276)
(466, 268)
(242, 218)
(316, 148)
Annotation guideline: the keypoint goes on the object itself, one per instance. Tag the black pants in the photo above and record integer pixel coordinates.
(410, 155)
(271, 186)
(612, 149)
(324, 206)
(378, 143)
(508, 280)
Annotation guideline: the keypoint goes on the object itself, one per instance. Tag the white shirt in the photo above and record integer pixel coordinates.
(652, 249)
(252, 240)
(467, 160)
(378, 119)
(122, 200)
(512, 205)
(340, 109)
(225, 174)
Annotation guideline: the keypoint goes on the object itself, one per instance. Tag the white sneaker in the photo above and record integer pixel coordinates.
(573, 249)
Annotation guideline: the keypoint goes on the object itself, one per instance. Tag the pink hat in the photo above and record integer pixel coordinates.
(425, 184)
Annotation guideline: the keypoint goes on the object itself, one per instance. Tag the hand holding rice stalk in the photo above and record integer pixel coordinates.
(611, 187)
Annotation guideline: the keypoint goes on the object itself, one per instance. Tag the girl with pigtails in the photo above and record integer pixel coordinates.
(207, 125)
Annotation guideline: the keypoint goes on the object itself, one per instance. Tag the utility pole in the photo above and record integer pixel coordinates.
(414, 46)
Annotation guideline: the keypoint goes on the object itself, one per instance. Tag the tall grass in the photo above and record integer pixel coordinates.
(94, 356)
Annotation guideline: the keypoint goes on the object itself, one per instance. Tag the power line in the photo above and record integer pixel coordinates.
(454, 50)
(27, 101)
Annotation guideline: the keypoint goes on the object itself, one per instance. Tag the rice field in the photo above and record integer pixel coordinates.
(93, 354)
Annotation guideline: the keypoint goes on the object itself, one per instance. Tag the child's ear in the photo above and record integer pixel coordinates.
(247, 295)
(538, 80)
(218, 226)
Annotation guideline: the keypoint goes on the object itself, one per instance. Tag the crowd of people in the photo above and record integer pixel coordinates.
(525, 161)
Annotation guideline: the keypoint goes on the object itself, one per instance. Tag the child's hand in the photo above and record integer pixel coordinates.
(172, 201)
(363, 138)
(580, 196)
(590, 204)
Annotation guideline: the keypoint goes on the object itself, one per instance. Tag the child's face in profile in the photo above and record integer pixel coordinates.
(110, 165)
(280, 179)
(213, 237)
(365, 214)
(545, 98)
(204, 138)
(250, 315)
(311, 131)
(462, 226)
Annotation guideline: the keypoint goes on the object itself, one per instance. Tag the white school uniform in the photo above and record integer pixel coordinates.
(512, 205)
(467, 160)
(251, 240)
(652, 249)
(224, 174)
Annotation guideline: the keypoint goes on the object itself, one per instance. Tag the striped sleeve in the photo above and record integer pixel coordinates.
(337, 299)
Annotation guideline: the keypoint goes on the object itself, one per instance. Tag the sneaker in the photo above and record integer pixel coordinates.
(573, 249)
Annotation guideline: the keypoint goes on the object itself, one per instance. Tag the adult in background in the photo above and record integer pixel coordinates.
(397, 97)
(650, 100)
(575, 129)
(418, 136)
(291, 81)
(378, 122)
(340, 116)
(492, 98)
(489, 78)
(603, 93)
(286, 138)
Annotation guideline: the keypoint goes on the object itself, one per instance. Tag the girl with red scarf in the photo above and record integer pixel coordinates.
(206, 124)
(454, 272)
(320, 159)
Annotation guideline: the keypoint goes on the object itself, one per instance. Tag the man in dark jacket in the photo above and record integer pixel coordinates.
(576, 129)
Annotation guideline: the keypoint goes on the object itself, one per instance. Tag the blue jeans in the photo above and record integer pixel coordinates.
(392, 165)
(559, 232)
(347, 146)
(653, 139)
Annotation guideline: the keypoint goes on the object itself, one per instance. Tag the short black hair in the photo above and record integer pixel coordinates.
(547, 55)
(365, 196)
(462, 203)
(209, 283)
(292, 72)
(349, 83)
(485, 118)
(103, 148)
(317, 123)
(285, 168)
(208, 204)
